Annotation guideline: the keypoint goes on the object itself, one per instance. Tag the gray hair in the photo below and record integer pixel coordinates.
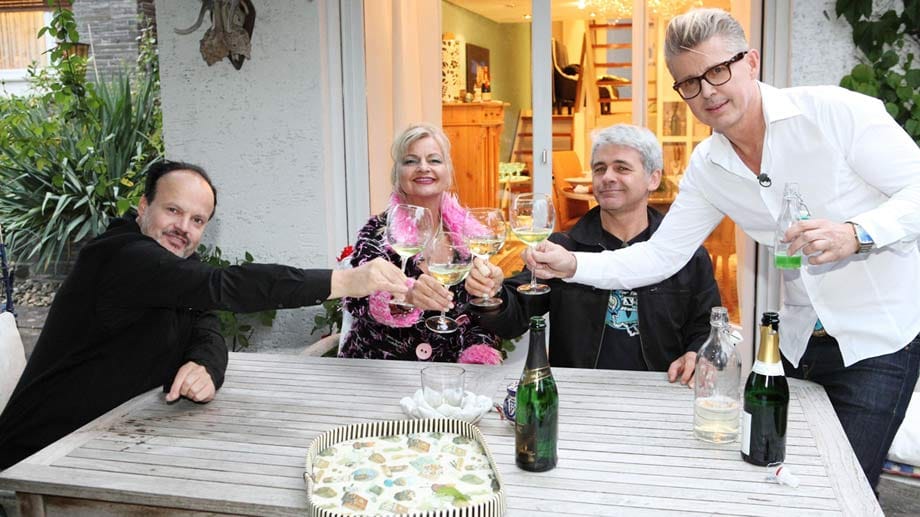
(696, 26)
(635, 137)
(413, 134)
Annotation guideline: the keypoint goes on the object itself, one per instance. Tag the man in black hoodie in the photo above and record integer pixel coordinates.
(658, 327)
(131, 315)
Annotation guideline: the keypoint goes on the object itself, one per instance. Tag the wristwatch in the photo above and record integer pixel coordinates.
(862, 238)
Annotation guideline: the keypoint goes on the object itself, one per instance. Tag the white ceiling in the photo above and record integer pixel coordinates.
(513, 11)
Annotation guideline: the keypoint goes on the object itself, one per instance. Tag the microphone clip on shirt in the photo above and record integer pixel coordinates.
(764, 180)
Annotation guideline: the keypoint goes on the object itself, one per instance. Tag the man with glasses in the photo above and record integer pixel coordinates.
(860, 175)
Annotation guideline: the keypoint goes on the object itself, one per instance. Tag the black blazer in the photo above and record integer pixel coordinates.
(125, 319)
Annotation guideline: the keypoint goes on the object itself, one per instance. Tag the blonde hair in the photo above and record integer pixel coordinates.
(696, 26)
(413, 134)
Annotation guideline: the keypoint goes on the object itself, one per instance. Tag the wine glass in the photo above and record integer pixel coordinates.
(449, 261)
(409, 229)
(532, 219)
(486, 230)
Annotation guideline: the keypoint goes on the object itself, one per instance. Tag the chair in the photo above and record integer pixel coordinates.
(568, 211)
(12, 357)
(565, 85)
(12, 353)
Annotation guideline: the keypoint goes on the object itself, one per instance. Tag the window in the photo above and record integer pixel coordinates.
(18, 44)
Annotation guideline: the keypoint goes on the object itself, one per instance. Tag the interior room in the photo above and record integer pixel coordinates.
(600, 56)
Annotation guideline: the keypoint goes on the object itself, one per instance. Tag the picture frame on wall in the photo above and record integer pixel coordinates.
(477, 66)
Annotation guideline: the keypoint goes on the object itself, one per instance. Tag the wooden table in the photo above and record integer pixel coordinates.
(625, 448)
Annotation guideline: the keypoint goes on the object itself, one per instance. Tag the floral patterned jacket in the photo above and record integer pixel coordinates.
(377, 334)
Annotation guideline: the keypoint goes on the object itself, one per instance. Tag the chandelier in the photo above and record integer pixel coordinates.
(619, 9)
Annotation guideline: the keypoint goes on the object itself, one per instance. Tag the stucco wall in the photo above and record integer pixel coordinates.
(821, 44)
(259, 132)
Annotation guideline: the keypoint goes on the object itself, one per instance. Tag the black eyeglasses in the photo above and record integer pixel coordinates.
(716, 75)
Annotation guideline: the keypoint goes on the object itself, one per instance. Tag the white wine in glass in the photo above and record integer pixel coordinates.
(409, 228)
(449, 261)
(532, 219)
(486, 230)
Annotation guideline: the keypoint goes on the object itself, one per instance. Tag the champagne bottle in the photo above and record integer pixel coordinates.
(766, 400)
(717, 383)
(536, 417)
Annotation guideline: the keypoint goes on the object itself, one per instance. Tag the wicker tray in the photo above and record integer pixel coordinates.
(430, 467)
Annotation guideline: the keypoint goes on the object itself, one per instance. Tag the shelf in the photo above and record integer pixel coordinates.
(622, 25)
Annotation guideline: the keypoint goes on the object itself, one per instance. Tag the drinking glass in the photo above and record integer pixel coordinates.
(409, 228)
(486, 231)
(449, 261)
(443, 385)
(532, 218)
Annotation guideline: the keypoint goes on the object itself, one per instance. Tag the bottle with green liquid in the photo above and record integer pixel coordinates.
(793, 210)
(536, 417)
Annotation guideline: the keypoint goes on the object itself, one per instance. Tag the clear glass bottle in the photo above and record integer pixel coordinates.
(717, 384)
(536, 417)
(793, 210)
(766, 400)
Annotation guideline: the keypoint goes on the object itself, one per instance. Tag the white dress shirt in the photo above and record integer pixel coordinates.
(852, 163)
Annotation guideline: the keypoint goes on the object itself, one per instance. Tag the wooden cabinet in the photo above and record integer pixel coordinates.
(474, 130)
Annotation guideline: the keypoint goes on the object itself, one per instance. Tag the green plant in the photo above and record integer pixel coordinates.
(76, 155)
(330, 320)
(70, 67)
(236, 327)
(888, 72)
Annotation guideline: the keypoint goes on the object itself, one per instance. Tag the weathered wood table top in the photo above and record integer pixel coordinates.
(625, 448)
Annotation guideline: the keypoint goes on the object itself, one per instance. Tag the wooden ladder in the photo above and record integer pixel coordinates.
(596, 73)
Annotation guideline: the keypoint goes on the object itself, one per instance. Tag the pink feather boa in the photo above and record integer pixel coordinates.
(480, 354)
(453, 215)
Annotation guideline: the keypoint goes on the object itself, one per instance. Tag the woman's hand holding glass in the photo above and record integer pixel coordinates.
(486, 230)
(485, 277)
(532, 217)
(429, 294)
(449, 260)
(409, 228)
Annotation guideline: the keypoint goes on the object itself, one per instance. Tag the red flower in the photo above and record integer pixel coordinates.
(346, 252)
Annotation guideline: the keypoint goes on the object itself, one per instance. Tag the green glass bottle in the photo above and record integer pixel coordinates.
(766, 400)
(536, 429)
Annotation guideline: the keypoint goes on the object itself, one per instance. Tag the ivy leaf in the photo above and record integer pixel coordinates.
(889, 59)
(862, 73)
(913, 76)
(853, 10)
(892, 109)
(912, 126)
(912, 12)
